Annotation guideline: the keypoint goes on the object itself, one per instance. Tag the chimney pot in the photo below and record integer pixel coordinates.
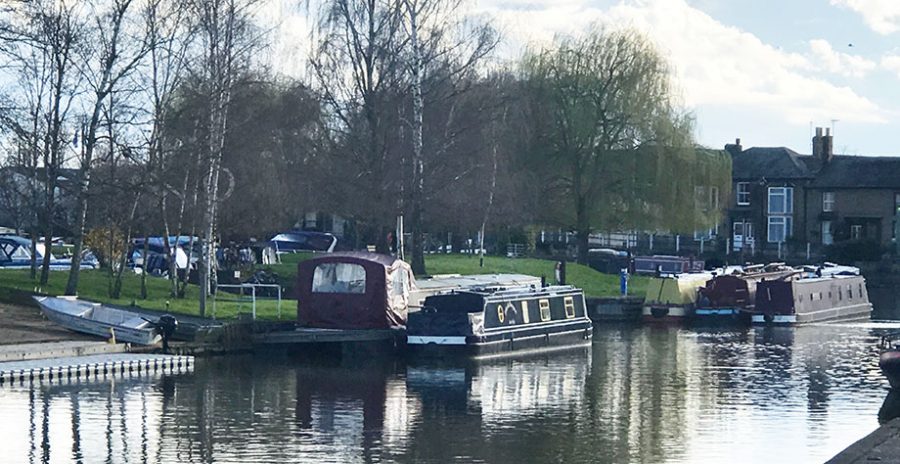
(818, 132)
(827, 131)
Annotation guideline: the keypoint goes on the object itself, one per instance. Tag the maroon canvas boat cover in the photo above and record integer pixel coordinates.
(355, 290)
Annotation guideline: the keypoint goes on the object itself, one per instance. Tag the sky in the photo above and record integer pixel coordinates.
(764, 71)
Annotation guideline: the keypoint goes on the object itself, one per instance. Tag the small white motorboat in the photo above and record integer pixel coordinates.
(97, 319)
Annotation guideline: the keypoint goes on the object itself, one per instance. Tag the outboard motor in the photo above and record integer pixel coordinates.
(166, 325)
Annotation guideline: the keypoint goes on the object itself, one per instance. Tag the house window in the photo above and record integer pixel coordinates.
(781, 200)
(779, 228)
(714, 198)
(856, 231)
(827, 237)
(743, 193)
(828, 201)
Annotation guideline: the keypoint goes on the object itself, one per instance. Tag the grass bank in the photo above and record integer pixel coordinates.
(94, 284)
(593, 282)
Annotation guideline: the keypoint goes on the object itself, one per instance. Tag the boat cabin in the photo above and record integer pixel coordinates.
(486, 321)
(822, 299)
(353, 290)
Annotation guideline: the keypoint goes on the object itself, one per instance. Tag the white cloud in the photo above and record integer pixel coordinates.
(715, 64)
(827, 58)
(891, 63)
(883, 16)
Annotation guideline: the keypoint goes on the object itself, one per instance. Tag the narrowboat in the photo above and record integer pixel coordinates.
(819, 299)
(482, 322)
(889, 359)
(731, 296)
(671, 299)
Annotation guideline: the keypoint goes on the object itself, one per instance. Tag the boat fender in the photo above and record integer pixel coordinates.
(657, 311)
(769, 318)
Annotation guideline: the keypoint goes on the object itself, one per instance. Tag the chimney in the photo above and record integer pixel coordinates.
(823, 145)
(827, 146)
(734, 148)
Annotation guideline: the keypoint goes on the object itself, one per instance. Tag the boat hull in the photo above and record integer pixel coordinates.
(719, 316)
(857, 312)
(668, 314)
(75, 323)
(889, 362)
(505, 342)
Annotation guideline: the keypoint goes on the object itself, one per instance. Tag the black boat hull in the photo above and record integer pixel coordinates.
(889, 361)
(507, 342)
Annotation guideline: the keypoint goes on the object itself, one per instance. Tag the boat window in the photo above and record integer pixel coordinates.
(849, 292)
(339, 278)
(829, 295)
(400, 282)
(545, 309)
(801, 298)
(570, 307)
(860, 291)
(840, 294)
(820, 296)
(811, 298)
(524, 311)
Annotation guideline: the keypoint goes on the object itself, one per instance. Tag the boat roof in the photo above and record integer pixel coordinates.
(447, 282)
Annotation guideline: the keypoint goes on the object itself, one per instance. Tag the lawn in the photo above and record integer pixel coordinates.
(593, 282)
(94, 284)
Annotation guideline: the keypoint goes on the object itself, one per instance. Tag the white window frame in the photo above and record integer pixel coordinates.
(743, 191)
(827, 202)
(827, 236)
(785, 222)
(786, 200)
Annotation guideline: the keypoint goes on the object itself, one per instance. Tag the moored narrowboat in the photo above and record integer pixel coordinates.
(482, 322)
(671, 299)
(730, 298)
(820, 299)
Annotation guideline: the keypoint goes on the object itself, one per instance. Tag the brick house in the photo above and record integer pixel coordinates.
(783, 198)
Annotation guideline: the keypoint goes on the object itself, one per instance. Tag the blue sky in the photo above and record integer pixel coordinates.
(761, 70)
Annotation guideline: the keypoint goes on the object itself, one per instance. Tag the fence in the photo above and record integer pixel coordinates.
(242, 297)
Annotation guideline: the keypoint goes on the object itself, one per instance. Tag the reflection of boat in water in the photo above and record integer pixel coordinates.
(889, 358)
(503, 390)
(819, 299)
(490, 321)
(890, 409)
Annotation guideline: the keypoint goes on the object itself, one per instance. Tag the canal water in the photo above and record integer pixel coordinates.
(638, 394)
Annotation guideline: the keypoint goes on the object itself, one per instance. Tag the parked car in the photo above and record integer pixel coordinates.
(156, 261)
(303, 240)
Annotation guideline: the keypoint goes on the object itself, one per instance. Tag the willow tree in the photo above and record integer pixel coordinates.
(609, 145)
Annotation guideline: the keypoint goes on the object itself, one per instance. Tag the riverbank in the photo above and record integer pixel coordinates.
(881, 446)
(23, 324)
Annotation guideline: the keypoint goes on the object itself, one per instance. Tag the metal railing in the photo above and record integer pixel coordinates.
(241, 297)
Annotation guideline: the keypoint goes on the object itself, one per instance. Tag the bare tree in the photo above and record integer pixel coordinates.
(227, 35)
(113, 52)
(40, 41)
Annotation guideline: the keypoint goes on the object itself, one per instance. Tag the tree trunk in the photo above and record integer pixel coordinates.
(418, 190)
(582, 231)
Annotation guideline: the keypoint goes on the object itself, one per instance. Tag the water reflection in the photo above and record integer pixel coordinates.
(639, 394)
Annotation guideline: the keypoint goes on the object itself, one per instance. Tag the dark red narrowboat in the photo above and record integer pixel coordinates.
(353, 290)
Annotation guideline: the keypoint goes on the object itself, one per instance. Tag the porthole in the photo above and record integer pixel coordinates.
(500, 313)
